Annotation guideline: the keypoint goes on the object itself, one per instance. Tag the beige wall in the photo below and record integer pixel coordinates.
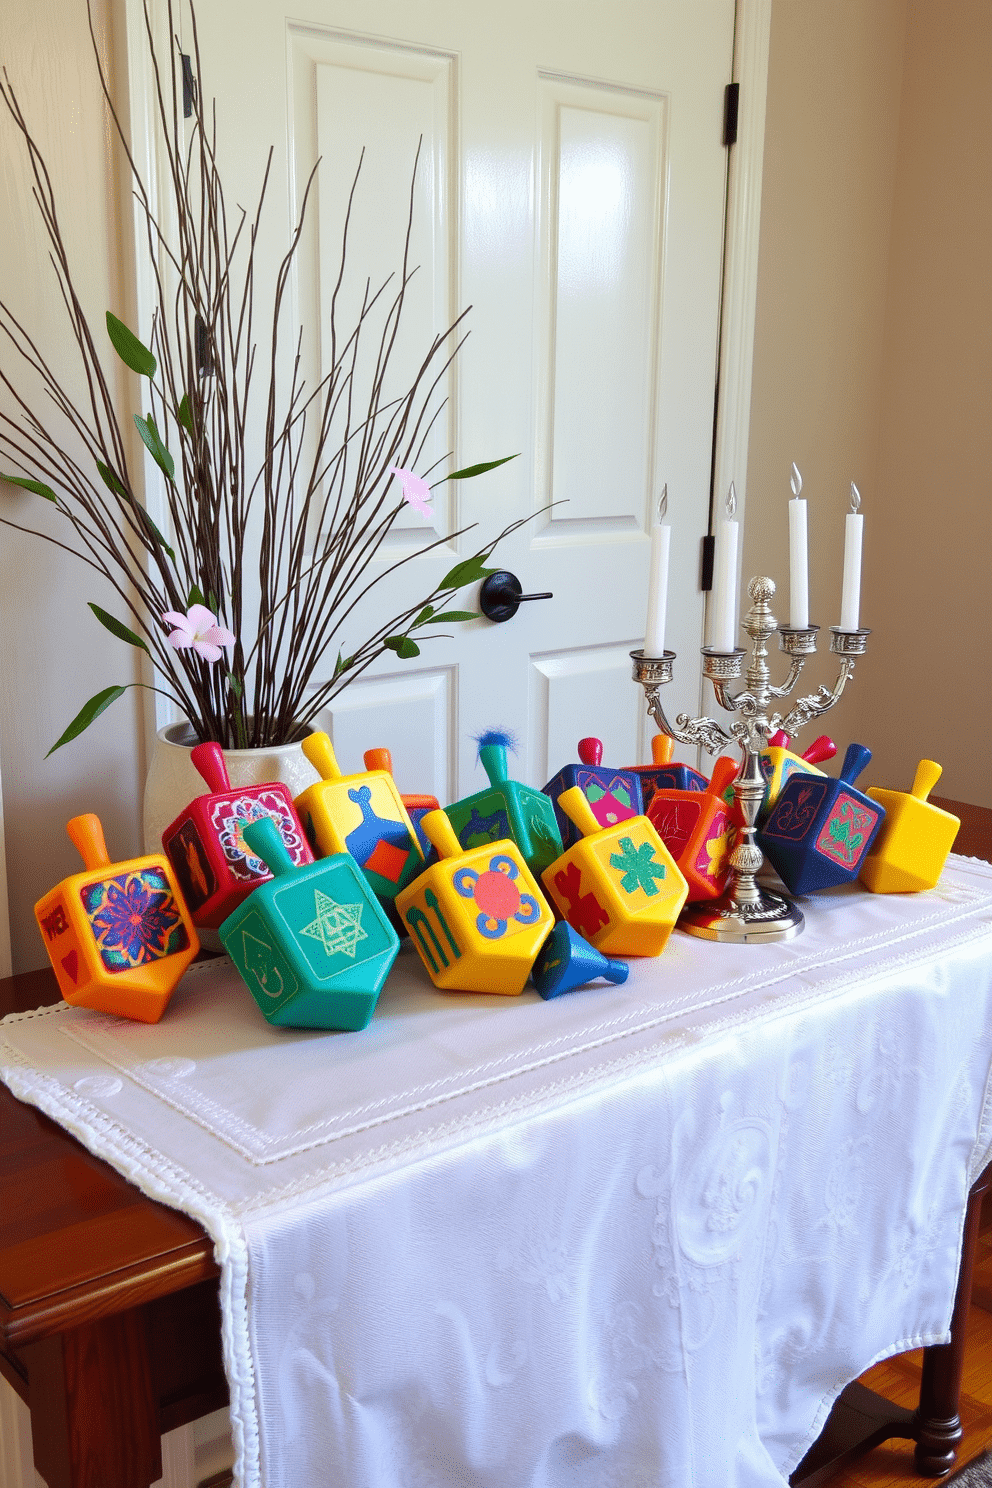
(54, 654)
(873, 352)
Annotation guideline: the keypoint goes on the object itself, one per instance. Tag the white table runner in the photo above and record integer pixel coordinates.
(634, 1236)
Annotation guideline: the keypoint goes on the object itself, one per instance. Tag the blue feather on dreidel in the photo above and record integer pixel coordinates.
(566, 961)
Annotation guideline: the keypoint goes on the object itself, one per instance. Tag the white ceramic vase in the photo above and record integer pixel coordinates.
(173, 780)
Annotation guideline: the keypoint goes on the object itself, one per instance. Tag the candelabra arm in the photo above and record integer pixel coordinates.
(790, 682)
(812, 707)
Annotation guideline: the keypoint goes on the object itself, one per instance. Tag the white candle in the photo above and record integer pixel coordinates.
(850, 601)
(798, 556)
(661, 544)
(723, 635)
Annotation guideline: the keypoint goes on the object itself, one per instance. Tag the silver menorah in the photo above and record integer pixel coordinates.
(747, 911)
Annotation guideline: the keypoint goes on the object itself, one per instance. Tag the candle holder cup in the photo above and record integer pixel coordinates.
(746, 912)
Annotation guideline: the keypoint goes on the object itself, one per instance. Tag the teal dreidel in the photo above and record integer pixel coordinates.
(313, 943)
(566, 961)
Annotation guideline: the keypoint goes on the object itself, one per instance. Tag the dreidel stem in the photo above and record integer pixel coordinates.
(319, 750)
(575, 806)
(378, 759)
(591, 751)
(86, 835)
(822, 748)
(724, 772)
(662, 749)
(493, 757)
(857, 756)
(928, 772)
(441, 834)
(209, 760)
(265, 840)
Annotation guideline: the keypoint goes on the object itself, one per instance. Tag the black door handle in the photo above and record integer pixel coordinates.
(500, 596)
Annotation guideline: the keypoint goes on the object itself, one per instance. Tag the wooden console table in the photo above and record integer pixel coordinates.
(110, 1323)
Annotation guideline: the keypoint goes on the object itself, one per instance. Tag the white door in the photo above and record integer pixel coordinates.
(571, 190)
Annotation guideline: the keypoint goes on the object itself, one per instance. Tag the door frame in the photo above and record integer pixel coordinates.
(752, 27)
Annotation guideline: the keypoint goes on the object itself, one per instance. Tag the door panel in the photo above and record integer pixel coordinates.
(571, 190)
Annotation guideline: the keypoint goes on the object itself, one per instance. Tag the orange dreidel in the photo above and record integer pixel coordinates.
(618, 886)
(417, 806)
(664, 773)
(477, 917)
(911, 848)
(699, 830)
(778, 763)
(118, 935)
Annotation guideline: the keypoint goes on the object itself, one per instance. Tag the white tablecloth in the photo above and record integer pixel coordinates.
(634, 1236)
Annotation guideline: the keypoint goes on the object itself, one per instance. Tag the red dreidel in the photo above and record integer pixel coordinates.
(206, 844)
(699, 830)
(118, 935)
(417, 806)
(664, 773)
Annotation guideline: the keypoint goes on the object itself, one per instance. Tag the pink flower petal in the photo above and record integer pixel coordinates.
(176, 617)
(207, 651)
(180, 639)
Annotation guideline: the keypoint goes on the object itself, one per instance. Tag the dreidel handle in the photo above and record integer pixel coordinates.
(615, 971)
(441, 834)
(209, 760)
(857, 756)
(575, 806)
(265, 840)
(779, 740)
(928, 772)
(86, 835)
(662, 749)
(821, 749)
(725, 770)
(319, 750)
(493, 757)
(591, 751)
(378, 759)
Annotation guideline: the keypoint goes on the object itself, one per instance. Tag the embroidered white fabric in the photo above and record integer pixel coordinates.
(634, 1236)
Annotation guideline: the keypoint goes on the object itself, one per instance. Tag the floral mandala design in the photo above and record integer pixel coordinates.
(230, 818)
(134, 919)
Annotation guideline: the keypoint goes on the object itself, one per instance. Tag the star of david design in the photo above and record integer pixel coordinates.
(338, 927)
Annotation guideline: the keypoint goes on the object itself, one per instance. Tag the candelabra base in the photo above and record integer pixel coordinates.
(768, 918)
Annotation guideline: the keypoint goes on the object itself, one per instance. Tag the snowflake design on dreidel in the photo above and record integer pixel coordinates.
(637, 866)
(497, 897)
(338, 927)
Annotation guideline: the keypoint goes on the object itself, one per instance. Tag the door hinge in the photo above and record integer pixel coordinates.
(731, 99)
(189, 86)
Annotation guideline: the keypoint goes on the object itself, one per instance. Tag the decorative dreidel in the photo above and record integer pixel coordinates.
(118, 935)
(618, 886)
(699, 829)
(818, 833)
(206, 843)
(612, 795)
(477, 918)
(566, 961)
(911, 848)
(664, 773)
(362, 815)
(417, 806)
(779, 764)
(313, 944)
(506, 809)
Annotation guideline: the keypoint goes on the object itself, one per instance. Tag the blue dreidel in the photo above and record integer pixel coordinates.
(819, 831)
(566, 961)
(313, 944)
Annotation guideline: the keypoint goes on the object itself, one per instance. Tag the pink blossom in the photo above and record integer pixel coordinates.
(199, 629)
(415, 490)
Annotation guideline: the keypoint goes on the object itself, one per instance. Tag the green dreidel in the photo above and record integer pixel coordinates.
(566, 961)
(313, 944)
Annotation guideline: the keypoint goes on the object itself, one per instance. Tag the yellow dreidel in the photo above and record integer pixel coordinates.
(118, 935)
(359, 814)
(618, 886)
(477, 918)
(911, 848)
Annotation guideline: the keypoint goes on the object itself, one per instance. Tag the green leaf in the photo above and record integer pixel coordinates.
(130, 350)
(469, 571)
(212, 604)
(403, 646)
(236, 685)
(342, 664)
(184, 417)
(452, 616)
(111, 481)
(423, 617)
(153, 443)
(87, 713)
(118, 629)
(471, 470)
(38, 487)
(195, 596)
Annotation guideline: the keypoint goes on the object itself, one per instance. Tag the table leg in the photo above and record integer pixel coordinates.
(94, 1414)
(936, 1423)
